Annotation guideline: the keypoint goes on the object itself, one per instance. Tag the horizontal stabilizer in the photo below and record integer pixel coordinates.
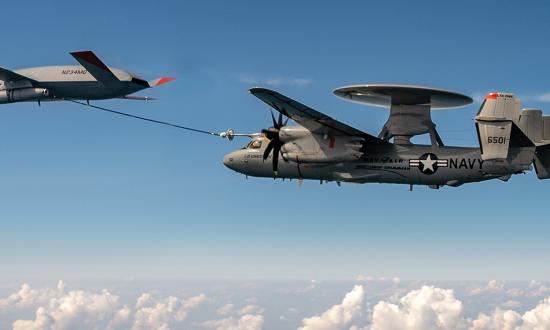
(95, 67)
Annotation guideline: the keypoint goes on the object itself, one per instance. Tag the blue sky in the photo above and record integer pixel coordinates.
(88, 195)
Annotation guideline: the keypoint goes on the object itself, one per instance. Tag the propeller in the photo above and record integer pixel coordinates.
(275, 143)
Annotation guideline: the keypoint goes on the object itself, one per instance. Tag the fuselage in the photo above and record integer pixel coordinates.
(75, 82)
(401, 164)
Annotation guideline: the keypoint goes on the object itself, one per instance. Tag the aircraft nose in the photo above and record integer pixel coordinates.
(229, 161)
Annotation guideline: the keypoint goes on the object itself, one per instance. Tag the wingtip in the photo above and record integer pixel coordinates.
(79, 52)
(258, 89)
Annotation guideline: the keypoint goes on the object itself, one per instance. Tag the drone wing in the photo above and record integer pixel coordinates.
(15, 79)
(313, 120)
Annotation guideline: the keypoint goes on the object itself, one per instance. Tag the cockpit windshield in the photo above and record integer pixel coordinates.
(256, 144)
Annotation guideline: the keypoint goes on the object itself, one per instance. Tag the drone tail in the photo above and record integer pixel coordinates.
(160, 81)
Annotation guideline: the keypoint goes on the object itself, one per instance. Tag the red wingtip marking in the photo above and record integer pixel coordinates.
(91, 58)
(491, 96)
(164, 80)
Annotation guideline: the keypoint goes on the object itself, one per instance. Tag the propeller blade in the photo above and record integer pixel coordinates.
(273, 119)
(268, 149)
(286, 121)
(276, 151)
(280, 121)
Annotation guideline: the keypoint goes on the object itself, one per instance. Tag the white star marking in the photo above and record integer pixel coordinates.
(428, 163)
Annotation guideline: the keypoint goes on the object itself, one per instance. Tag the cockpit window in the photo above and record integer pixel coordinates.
(256, 144)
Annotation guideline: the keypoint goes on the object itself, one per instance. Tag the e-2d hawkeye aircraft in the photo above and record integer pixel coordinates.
(92, 80)
(322, 148)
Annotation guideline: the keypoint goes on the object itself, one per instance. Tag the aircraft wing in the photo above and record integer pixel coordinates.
(95, 67)
(313, 120)
(12, 78)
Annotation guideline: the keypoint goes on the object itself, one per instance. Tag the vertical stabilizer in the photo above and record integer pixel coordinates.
(494, 122)
(546, 128)
(531, 123)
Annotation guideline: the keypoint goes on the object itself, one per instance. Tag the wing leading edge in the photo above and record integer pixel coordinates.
(15, 80)
(313, 120)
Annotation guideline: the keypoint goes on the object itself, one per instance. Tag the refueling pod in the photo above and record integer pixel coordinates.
(23, 94)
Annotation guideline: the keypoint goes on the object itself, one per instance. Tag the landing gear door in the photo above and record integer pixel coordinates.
(494, 139)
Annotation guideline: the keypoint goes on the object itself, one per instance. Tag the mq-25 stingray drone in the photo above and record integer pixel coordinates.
(322, 148)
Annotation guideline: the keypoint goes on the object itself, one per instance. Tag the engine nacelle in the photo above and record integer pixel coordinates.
(23, 94)
(293, 133)
(323, 149)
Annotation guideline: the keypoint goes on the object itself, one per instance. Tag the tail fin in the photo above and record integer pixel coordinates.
(496, 124)
(160, 81)
(542, 161)
(541, 130)
(95, 67)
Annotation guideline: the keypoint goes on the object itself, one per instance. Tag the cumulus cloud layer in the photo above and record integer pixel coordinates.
(249, 317)
(151, 313)
(78, 309)
(373, 304)
(341, 315)
(426, 308)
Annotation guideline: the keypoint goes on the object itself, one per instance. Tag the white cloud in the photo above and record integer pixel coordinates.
(493, 286)
(225, 309)
(544, 97)
(250, 309)
(409, 306)
(154, 313)
(28, 297)
(368, 278)
(426, 308)
(245, 322)
(274, 81)
(338, 316)
(511, 304)
(499, 320)
(537, 318)
(537, 289)
(515, 292)
(249, 317)
(78, 309)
